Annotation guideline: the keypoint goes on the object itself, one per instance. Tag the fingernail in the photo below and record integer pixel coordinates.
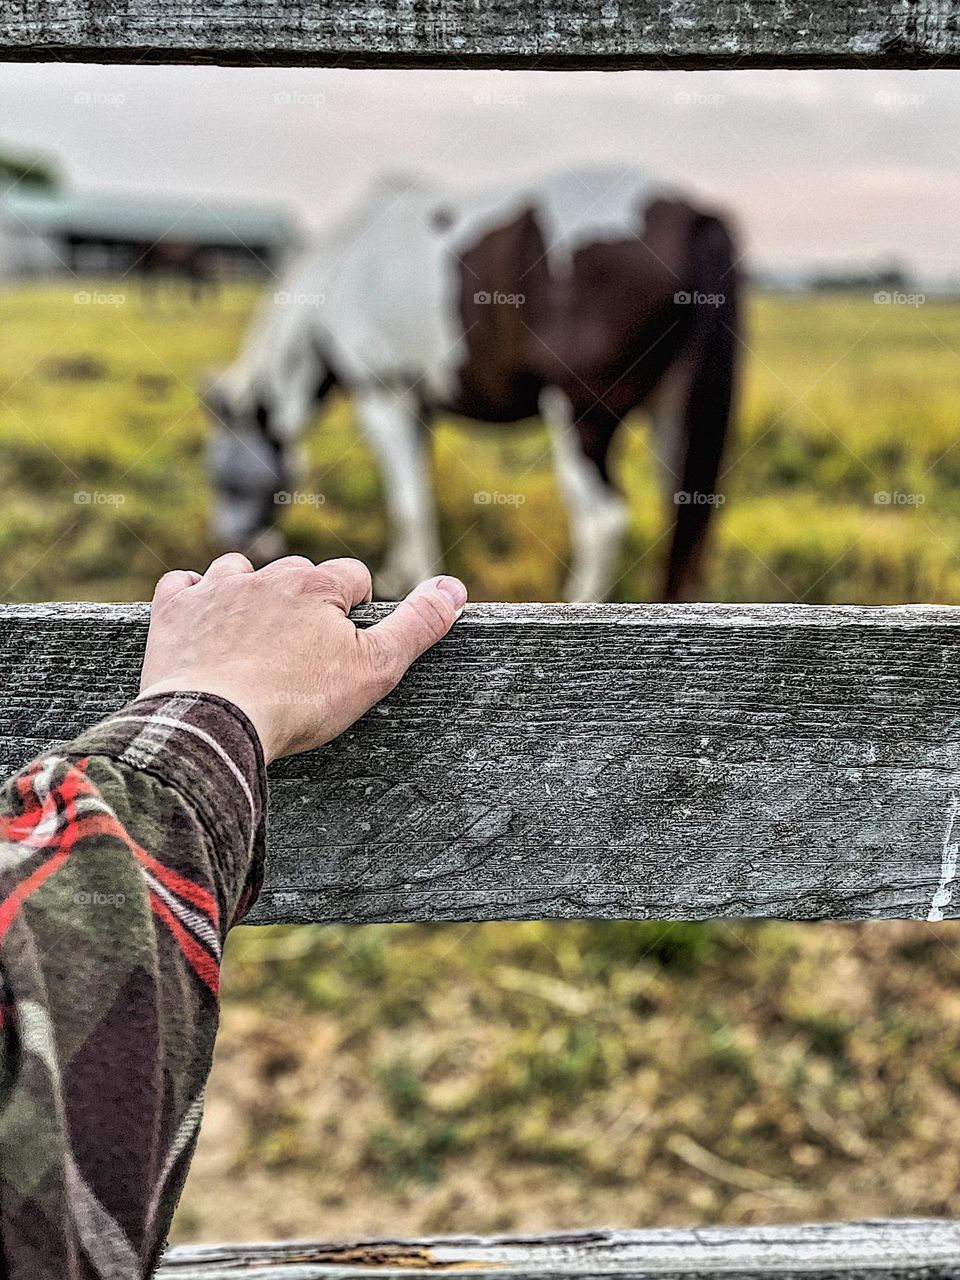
(455, 592)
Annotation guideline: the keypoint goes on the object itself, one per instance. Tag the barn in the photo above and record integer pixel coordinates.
(46, 232)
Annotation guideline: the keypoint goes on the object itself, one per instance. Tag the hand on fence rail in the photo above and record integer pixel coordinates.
(279, 643)
(125, 856)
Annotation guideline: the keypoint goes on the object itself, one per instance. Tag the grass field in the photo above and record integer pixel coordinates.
(541, 1075)
(842, 399)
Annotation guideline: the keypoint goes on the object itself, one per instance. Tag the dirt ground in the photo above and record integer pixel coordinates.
(406, 1080)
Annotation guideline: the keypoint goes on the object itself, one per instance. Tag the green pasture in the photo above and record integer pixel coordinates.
(842, 400)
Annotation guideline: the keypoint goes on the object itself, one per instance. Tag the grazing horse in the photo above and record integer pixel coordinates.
(580, 297)
(167, 258)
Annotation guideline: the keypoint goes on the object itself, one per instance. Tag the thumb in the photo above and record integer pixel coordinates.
(416, 624)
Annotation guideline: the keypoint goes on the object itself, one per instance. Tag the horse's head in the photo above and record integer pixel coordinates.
(249, 471)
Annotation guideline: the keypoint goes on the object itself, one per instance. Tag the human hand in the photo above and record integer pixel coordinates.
(279, 645)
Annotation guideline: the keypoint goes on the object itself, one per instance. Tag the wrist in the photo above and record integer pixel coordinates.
(227, 690)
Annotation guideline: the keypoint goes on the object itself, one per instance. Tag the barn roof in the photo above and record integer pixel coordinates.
(137, 218)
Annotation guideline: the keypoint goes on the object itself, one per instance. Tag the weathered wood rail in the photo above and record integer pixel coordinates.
(907, 1250)
(466, 33)
(592, 761)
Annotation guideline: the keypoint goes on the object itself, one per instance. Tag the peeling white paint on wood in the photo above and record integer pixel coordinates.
(905, 1250)
(948, 873)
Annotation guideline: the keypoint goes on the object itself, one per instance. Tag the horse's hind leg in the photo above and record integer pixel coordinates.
(392, 424)
(598, 514)
(695, 414)
(669, 443)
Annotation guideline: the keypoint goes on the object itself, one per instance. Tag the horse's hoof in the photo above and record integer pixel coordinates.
(576, 592)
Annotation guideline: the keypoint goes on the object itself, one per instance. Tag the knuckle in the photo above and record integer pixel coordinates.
(233, 560)
(340, 578)
(291, 562)
(358, 568)
(168, 583)
(319, 581)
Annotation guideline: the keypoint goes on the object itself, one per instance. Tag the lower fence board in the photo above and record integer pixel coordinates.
(905, 1250)
(591, 761)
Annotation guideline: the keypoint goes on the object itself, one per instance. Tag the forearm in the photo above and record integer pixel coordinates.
(126, 856)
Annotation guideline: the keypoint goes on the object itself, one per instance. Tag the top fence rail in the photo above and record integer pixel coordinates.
(590, 762)
(550, 34)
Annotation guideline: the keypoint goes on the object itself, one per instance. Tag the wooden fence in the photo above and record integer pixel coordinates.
(489, 33)
(570, 762)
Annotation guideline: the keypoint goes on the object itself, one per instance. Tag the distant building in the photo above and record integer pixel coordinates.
(49, 232)
(833, 278)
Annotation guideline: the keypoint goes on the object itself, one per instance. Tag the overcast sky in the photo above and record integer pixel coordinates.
(819, 166)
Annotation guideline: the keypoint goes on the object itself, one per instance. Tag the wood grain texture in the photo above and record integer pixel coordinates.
(592, 762)
(465, 33)
(905, 1250)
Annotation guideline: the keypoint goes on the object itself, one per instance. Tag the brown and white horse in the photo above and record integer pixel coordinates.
(580, 297)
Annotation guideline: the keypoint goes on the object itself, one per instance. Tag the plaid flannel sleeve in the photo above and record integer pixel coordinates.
(124, 858)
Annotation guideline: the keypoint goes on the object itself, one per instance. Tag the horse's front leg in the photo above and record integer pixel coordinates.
(395, 431)
(598, 514)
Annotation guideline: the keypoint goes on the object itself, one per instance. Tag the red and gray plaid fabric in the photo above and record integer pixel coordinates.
(124, 858)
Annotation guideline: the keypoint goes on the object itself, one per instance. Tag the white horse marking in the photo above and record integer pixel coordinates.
(392, 426)
(667, 408)
(598, 515)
